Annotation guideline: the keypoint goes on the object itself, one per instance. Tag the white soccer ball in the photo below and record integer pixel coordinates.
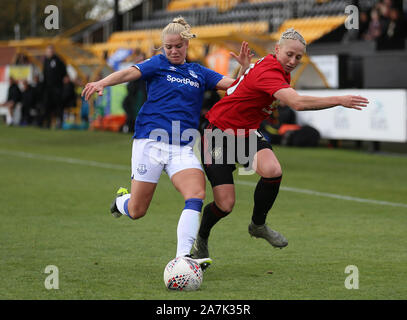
(183, 274)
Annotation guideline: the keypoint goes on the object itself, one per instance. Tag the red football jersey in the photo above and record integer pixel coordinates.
(249, 100)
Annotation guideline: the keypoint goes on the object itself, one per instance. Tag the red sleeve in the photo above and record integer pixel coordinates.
(272, 80)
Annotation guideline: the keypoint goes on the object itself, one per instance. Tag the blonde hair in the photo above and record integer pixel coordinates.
(178, 26)
(292, 34)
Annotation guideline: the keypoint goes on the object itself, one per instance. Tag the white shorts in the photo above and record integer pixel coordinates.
(150, 157)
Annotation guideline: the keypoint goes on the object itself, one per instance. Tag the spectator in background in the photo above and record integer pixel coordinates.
(209, 100)
(68, 93)
(396, 26)
(54, 72)
(383, 8)
(363, 24)
(393, 32)
(84, 104)
(38, 89)
(13, 98)
(28, 110)
(136, 95)
(374, 30)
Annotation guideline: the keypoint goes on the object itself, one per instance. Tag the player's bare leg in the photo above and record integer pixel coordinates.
(135, 204)
(190, 183)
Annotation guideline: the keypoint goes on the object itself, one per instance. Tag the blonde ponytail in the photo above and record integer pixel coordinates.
(178, 26)
(292, 34)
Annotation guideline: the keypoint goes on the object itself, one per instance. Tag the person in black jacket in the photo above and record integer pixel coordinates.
(68, 93)
(136, 95)
(393, 32)
(38, 91)
(54, 71)
(28, 109)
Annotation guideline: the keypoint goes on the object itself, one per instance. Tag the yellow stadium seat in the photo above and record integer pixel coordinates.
(222, 5)
(311, 28)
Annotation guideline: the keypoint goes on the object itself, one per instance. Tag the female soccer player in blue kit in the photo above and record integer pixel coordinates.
(175, 91)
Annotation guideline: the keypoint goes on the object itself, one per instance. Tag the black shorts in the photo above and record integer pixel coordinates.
(219, 157)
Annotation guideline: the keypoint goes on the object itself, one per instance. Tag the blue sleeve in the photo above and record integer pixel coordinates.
(211, 78)
(148, 67)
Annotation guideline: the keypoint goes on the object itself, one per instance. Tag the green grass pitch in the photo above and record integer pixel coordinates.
(56, 188)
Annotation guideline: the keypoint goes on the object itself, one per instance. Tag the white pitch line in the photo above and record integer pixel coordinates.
(330, 195)
(90, 163)
(97, 164)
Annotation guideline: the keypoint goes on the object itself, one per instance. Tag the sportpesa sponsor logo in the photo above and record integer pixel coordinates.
(183, 80)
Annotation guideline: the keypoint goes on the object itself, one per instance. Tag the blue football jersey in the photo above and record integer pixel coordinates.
(174, 99)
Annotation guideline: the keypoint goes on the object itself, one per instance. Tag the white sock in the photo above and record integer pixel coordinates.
(120, 203)
(187, 230)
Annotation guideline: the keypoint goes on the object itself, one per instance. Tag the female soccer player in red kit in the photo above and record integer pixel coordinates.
(249, 100)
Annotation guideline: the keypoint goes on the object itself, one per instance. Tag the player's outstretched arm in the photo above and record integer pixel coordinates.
(244, 58)
(117, 77)
(298, 102)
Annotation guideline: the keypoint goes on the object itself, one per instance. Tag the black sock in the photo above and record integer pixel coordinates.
(264, 197)
(210, 216)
